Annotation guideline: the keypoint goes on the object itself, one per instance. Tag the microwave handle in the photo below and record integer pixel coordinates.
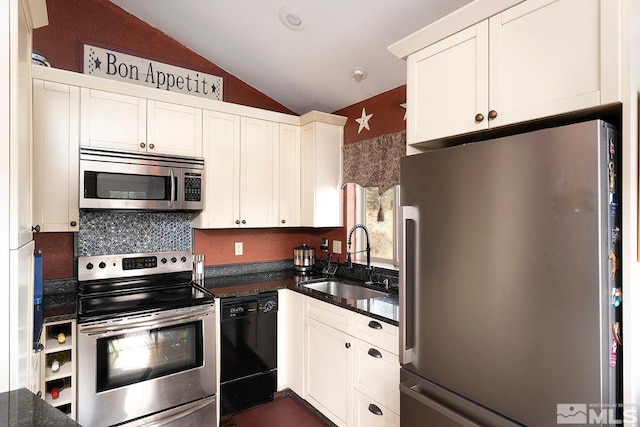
(173, 187)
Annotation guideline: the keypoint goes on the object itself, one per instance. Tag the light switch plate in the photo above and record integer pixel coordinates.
(238, 248)
(337, 246)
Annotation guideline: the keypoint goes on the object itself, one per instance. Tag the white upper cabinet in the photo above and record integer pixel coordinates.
(537, 59)
(258, 203)
(321, 191)
(56, 115)
(221, 144)
(239, 166)
(123, 122)
(174, 129)
(289, 176)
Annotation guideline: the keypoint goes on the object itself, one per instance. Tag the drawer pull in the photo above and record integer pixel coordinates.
(375, 325)
(374, 409)
(374, 353)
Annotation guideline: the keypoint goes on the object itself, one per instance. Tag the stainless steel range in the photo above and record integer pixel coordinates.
(146, 342)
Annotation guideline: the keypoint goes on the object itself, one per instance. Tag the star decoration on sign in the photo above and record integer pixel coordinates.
(404, 105)
(98, 62)
(364, 121)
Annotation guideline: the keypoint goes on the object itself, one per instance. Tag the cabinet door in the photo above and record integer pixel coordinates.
(546, 58)
(221, 144)
(20, 339)
(328, 365)
(447, 86)
(321, 191)
(174, 129)
(111, 120)
(56, 115)
(289, 176)
(257, 176)
(368, 412)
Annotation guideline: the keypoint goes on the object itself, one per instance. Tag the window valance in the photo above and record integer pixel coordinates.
(375, 162)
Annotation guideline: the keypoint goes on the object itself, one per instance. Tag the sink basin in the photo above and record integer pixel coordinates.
(344, 290)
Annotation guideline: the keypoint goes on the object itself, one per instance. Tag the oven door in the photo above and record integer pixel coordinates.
(111, 185)
(137, 366)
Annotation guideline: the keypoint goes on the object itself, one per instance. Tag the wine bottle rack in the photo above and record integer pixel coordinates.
(65, 377)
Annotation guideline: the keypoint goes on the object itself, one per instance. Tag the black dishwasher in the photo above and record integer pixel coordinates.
(248, 351)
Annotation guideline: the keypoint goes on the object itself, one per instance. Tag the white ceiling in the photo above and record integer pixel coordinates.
(302, 70)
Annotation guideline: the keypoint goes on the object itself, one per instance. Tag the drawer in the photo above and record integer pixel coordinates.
(331, 315)
(376, 373)
(380, 334)
(368, 412)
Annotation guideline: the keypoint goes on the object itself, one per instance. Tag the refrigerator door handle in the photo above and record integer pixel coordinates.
(408, 257)
(411, 390)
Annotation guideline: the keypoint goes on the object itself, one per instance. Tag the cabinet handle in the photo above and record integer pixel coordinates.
(237, 221)
(283, 221)
(152, 146)
(374, 409)
(375, 325)
(244, 222)
(374, 353)
(142, 145)
(479, 117)
(39, 393)
(73, 223)
(493, 114)
(347, 345)
(36, 229)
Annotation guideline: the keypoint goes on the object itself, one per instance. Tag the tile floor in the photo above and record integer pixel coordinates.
(283, 412)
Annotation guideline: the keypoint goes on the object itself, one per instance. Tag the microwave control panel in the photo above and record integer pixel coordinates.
(193, 187)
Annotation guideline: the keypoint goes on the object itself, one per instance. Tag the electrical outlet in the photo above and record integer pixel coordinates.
(337, 246)
(238, 248)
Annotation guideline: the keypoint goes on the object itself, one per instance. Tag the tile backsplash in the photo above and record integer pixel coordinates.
(118, 232)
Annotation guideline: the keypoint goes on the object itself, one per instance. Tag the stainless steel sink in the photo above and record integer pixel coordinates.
(344, 290)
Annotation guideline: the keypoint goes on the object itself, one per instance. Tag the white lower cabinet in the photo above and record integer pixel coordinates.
(349, 373)
(369, 413)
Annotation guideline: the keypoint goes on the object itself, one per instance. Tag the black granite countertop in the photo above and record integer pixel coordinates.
(21, 408)
(383, 308)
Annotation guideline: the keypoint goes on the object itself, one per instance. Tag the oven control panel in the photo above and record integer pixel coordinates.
(129, 265)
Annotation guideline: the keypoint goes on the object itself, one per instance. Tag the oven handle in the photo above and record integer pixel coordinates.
(173, 190)
(174, 416)
(104, 329)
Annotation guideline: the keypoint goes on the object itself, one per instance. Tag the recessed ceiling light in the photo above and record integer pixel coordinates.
(358, 74)
(292, 19)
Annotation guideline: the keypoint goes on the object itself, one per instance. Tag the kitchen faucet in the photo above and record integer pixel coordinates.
(368, 250)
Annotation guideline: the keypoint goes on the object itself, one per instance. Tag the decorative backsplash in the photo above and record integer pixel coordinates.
(117, 232)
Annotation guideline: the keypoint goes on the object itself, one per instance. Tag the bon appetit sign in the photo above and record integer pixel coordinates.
(114, 65)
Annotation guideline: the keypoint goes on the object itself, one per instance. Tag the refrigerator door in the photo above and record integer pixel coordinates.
(506, 270)
(423, 403)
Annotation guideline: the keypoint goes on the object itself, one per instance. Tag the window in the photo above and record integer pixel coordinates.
(378, 214)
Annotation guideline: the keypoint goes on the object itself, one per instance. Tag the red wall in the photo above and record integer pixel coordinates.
(102, 22)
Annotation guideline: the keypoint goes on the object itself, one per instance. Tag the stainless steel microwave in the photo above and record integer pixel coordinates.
(111, 179)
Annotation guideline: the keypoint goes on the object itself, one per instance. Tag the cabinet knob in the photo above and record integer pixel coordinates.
(142, 145)
(479, 117)
(237, 221)
(244, 222)
(347, 345)
(283, 221)
(493, 114)
(152, 146)
(73, 223)
(374, 409)
(36, 229)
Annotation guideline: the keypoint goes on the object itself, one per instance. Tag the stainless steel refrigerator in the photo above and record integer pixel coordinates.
(510, 280)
